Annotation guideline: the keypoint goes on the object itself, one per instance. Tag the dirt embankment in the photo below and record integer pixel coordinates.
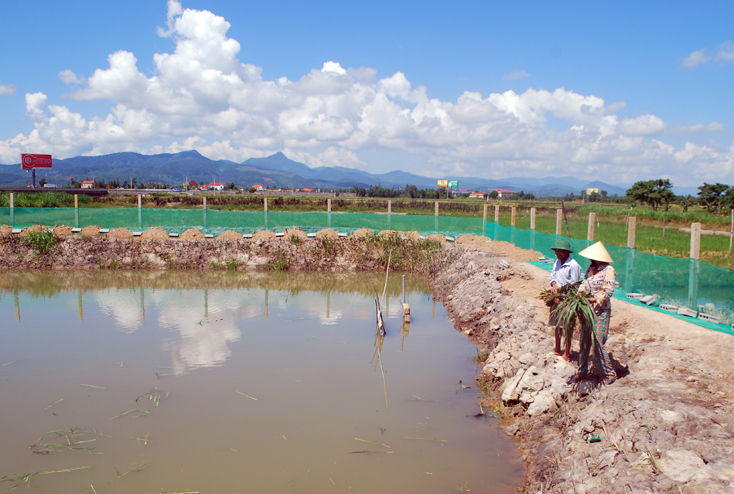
(327, 252)
(665, 426)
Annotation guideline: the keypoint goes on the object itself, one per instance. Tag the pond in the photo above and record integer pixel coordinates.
(128, 382)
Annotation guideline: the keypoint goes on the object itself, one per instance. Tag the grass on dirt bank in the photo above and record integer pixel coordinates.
(611, 218)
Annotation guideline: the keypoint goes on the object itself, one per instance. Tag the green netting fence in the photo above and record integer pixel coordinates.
(681, 282)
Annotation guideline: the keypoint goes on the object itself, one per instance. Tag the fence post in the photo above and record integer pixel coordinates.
(76, 211)
(328, 205)
(731, 232)
(592, 224)
(203, 210)
(12, 200)
(496, 213)
(631, 230)
(486, 206)
(695, 241)
(559, 221)
(514, 215)
(532, 218)
(265, 203)
(436, 214)
(389, 206)
(12, 210)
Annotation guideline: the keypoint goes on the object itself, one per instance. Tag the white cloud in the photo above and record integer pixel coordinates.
(725, 53)
(690, 129)
(516, 74)
(69, 77)
(7, 89)
(202, 96)
(696, 58)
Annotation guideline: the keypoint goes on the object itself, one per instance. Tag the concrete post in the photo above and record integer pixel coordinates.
(532, 218)
(328, 205)
(559, 221)
(76, 211)
(204, 202)
(436, 208)
(514, 215)
(695, 241)
(389, 206)
(486, 206)
(76, 201)
(12, 200)
(496, 213)
(12, 218)
(265, 203)
(592, 224)
(631, 230)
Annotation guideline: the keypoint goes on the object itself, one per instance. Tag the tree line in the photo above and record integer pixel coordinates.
(658, 193)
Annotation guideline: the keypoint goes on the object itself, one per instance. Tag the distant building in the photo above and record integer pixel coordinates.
(88, 184)
(308, 189)
(502, 192)
(216, 185)
(258, 187)
(476, 195)
(50, 186)
(193, 185)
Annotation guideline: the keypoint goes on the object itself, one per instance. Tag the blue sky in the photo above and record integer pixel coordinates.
(616, 91)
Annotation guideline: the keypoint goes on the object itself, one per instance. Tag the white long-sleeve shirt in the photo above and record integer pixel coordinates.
(568, 272)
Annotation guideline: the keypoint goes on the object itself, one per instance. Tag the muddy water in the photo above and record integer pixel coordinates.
(234, 383)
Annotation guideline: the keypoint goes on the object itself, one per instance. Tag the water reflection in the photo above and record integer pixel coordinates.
(302, 390)
(206, 321)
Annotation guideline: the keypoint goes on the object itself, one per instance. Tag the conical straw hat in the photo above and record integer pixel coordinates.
(596, 252)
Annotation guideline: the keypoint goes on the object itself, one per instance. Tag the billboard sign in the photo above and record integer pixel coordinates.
(443, 183)
(454, 184)
(30, 161)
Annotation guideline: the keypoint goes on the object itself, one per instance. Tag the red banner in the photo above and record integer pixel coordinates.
(30, 161)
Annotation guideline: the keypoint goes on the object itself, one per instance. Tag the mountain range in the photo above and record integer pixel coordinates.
(275, 171)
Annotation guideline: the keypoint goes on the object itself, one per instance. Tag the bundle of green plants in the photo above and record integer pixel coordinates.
(572, 309)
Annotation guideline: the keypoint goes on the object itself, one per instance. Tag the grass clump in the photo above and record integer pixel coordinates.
(40, 242)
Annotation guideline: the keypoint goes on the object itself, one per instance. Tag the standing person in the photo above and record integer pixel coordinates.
(599, 282)
(565, 270)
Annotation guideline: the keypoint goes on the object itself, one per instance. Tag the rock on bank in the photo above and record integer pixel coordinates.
(665, 425)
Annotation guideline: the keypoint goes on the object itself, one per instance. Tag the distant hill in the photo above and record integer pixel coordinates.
(275, 171)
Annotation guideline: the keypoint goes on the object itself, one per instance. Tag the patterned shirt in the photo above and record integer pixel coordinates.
(599, 282)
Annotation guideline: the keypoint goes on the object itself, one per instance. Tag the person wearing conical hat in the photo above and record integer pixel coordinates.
(565, 270)
(599, 281)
